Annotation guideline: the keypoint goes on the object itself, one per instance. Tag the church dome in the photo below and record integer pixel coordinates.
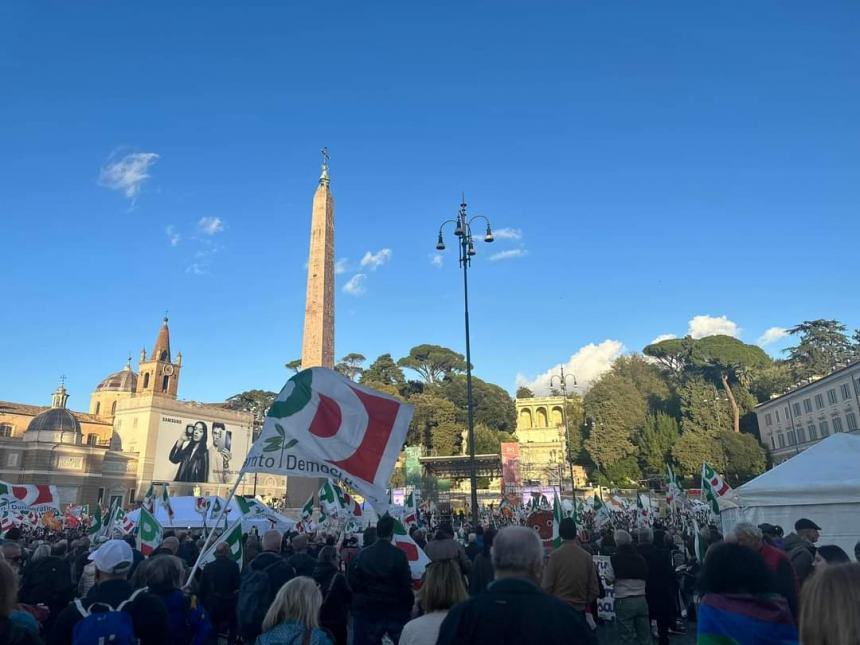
(56, 425)
(123, 381)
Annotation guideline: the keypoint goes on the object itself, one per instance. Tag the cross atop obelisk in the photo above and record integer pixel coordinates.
(318, 339)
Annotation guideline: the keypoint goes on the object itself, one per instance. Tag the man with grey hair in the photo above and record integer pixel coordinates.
(784, 577)
(514, 609)
(629, 572)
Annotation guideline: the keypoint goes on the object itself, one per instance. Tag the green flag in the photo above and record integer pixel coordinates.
(96, 523)
(308, 508)
(243, 504)
(232, 537)
(149, 532)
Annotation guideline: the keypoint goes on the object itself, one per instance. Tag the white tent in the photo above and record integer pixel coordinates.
(186, 517)
(821, 483)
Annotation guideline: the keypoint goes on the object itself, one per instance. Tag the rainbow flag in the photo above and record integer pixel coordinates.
(726, 619)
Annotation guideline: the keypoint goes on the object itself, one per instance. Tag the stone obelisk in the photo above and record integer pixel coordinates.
(318, 338)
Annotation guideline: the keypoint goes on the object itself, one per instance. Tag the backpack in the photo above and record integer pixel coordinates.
(111, 625)
(255, 596)
(188, 622)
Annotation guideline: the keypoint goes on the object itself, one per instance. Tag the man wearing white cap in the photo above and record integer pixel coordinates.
(113, 561)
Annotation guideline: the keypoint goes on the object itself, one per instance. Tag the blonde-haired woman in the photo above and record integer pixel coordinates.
(294, 616)
(442, 589)
(829, 606)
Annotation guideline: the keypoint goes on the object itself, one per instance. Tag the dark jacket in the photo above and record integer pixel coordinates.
(801, 552)
(219, 586)
(188, 552)
(303, 564)
(628, 563)
(513, 610)
(193, 464)
(784, 578)
(381, 580)
(472, 550)
(482, 573)
(660, 583)
(49, 582)
(280, 573)
(148, 614)
(337, 597)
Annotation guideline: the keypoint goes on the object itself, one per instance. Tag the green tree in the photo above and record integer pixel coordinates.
(624, 472)
(294, 365)
(489, 441)
(823, 344)
(433, 362)
(646, 378)
(673, 354)
(350, 366)
(655, 444)
(257, 402)
(770, 380)
(524, 393)
(692, 450)
(491, 404)
(728, 361)
(383, 370)
(703, 409)
(436, 425)
(744, 457)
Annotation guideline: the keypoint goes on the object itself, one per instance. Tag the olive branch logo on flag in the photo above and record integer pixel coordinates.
(714, 487)
(322, 424)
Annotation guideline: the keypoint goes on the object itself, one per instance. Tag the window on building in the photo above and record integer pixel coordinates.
(164, 383)
(146, 380)
(819, 401)
(837, 424)
(824, 428)
(787, 414)
(776, 413)
(6, 429)
(92, 439)
(768, 420)
(781, 440)
(812, 432)
(831, 396)
(807, 406)
(113, 408)
(101, 496)
(796, 408)
(131, 494)
(851, 420)
(98, 407)
(846, 391)
(792, 439)
(772, 442)
(801, 435)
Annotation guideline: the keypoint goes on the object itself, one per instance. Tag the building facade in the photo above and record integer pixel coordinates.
(543, 443)
(807, 414)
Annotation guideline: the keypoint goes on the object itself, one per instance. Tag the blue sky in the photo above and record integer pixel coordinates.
(653, 162)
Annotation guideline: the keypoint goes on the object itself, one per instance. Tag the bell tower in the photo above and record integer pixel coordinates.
(159, 375)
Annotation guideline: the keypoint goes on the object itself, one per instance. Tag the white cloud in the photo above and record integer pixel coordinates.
(376, 260)
(210, 225)
(508, 234)
(339, 267)
(128, 173)
(355, 285)
(172, 236)
(701, 326)
(197, 268)
(662, 337)
(508, 255)
(771, 335)
(586, 365)
(437, 260)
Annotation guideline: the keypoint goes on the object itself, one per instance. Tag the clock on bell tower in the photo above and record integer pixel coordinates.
(159, 375)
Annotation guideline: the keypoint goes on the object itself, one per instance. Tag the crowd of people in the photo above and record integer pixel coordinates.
(484, 584)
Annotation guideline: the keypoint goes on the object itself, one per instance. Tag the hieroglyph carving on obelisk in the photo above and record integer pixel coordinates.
(318, 339)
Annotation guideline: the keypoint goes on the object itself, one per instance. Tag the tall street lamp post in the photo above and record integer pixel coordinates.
(463, 230)
(562, 378)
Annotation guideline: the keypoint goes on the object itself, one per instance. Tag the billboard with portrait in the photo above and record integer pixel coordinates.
(199, 450)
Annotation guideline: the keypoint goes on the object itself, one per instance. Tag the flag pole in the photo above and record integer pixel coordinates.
(212, 532)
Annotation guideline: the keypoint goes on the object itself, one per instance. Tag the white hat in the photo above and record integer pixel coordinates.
(114, 556)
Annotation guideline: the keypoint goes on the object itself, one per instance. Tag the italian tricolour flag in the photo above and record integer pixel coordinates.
(714, 487)
(149, 533)
(418, 560)
(233, 538)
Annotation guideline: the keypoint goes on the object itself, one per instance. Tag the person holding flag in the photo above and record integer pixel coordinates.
(219, 586)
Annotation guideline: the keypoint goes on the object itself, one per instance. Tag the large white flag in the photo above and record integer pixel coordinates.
(322, 424)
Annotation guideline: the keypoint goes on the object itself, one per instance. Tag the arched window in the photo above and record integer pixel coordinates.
(525, 418)
(164, 383)
(146, 380)
(541, 420)
(163, 355)
(98, 407)
(557, 417)
(113, 408)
